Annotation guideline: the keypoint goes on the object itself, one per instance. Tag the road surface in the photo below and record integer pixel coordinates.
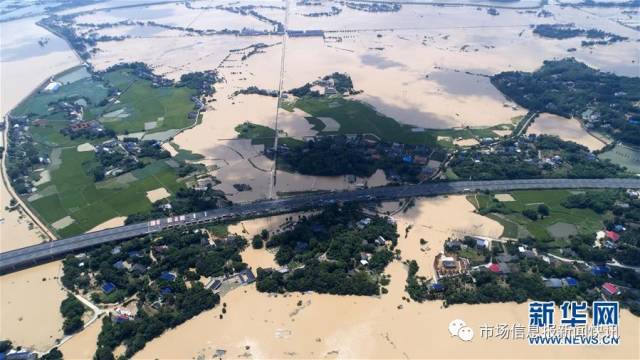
(36, 254)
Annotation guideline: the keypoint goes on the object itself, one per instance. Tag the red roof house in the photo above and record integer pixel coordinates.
(610, 289)
(494, 268)
(613, 236)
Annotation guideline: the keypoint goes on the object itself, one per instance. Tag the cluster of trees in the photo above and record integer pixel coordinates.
(201, 81)
(341, 82)
(72, 310)
(304, 90)
(258, 240)
(339, 155)
(61, 26)
(117, 158)
(256, 90)
(330, 156)
(185, 200)
(22, 157)
(575, 161)
(540, 212)
(525, 282)
(331, 246)
(569, 88)
(320, 276)
(374, 7)
(184, 304)
(566, 31)
(598, 201)
(141, 70)
(151, 148)
(417, 287)
(183, 252)
(626, 213)
(126, 161)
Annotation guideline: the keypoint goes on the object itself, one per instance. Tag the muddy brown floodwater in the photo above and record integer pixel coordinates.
(259, 325)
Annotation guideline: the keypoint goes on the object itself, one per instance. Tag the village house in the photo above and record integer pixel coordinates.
(447, 265)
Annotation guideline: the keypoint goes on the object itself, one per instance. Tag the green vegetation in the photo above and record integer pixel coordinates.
(526, 216)
(530, 157)
(163, 275)
(89, 187)
(356, 117)
(523, 283)
(417, 287)
(605, 101)
(566, 222)
(624, 156)
(262, 135)
(360, 156)
(72, 311)
(447, 136)
(73, 192)
(337, 251)
(624, 213)
(184, 201)
(567, 31)
(53, 354)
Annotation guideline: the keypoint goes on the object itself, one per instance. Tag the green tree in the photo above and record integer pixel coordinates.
(531, 214)
(257, 242)
(543, 210)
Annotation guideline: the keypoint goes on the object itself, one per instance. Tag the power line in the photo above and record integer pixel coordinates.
(274, 170)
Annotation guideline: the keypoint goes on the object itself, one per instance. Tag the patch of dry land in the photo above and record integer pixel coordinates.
(566, 129)
(29, 306)
(111, 223)
(157, 194)
(259, 325)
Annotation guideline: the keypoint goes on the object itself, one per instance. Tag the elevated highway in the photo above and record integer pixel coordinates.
(36, 254)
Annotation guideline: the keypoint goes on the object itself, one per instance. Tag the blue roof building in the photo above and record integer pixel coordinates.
(569, 281)
(600, 270)
(437, 287)
(108, 287)
(167, 276)
(134, 253)
(408, 159)
(166, 290)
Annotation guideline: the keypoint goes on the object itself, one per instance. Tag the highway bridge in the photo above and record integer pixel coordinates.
(36, 254)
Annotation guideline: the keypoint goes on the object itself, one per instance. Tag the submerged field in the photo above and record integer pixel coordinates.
(557, 226)
(358, 117)
(624, 156)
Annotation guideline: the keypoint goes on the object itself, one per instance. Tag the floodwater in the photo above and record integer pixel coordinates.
(566, 129)
(179, 15)
(259, 325)
(84, 344)
(29, 306)
(413, 65)
(25, 64)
